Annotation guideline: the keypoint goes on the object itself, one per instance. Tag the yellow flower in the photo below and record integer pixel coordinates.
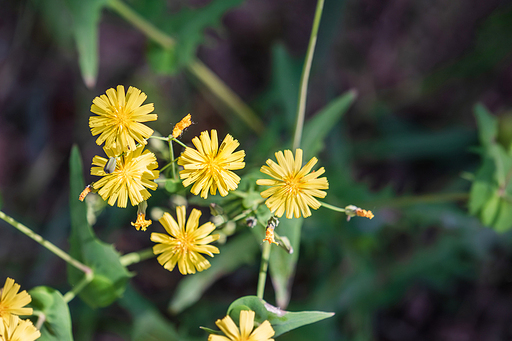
(12, 302)
(120, 116)
(141, 222)
(132, 174)
(210, 166)
(185, 242)
(263, 333)
(15, 329)
(294, 188)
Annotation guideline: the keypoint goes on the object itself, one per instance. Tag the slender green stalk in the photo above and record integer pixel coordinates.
(262, 278)
(57, 251)
(142, 24)
(303, 91)
(332, 207)
(137, 257)
(78, 287)
(171, 155)
(197, 68)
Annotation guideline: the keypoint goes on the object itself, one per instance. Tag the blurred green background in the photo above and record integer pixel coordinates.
(422, 269)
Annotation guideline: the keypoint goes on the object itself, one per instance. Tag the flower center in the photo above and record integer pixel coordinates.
(184, 244)
(212, 165)
(122, 116)
(292, 184)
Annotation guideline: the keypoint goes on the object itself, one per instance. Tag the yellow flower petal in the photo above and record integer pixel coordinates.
(185, 242)
(293, 187)
(209, 167)
(12, 302)
(246, 333)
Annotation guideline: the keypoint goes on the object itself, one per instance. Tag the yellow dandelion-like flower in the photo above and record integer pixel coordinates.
(16, 329)
(12, 302)
(185, 242)
(263, 332)
(134, 171)
(210, 166)
(120, 116)
(294, 188)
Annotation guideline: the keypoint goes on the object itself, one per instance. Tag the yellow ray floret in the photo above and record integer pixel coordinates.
(209, 167)
(16, 329)
(133, 174)
(12, 302)
(294, 188)
(185, 242)
(119, 118)
(263, 332)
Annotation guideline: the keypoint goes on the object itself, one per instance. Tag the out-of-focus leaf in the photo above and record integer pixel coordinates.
(487, 125)
(503, 220)
(172, 185)
(110, 276)
(186, 27)
(86, 16)
(148, 323)
(281, 321)
(57, 320)
(317, 128)
(57, 19)
(240, 250)
(282, 264)
(482, 187)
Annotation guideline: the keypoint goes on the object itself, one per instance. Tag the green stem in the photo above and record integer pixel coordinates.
(173, 164)
(222, 91)
(332, 207)
(142, 24)
(179, 142)
(57, 251)
(262, 278)
(78, 287)
(197, 68)
(137, 257)
(301, 107)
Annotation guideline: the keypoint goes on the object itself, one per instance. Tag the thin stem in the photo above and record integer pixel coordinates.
(142, 24)
(197, 68)
(332, 207)
(171, 155)
(301, 107)
(57, 251)
(78, 287)
(137, 257)
(262, 278)
(222, 91)
(179, 142)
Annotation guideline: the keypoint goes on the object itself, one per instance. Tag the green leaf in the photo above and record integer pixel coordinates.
(503, 221)
(148, 323)
(281, 321)
(187, 27)
(110, 276)
(282, 264)
(240, 250)
(487, 125)
(483, 186)
(317, 128)
(57, 320)
(86, 16)
(490, 210)
(502, 161)
(173, 185)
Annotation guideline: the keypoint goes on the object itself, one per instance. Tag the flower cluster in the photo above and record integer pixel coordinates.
(12, 304)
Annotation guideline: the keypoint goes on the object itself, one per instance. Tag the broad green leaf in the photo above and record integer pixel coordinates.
(483, 186)
(503, 221)
(57, 320)
(281, 321)
(317, 128)
(172, 185)
(148, 323)
(110, 276)
(282, 264)
(238, 251)
(487, 125)
(86, 16)
(490, 210)
(502, 161)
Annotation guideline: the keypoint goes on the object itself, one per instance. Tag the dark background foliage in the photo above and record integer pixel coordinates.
(422, 269)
